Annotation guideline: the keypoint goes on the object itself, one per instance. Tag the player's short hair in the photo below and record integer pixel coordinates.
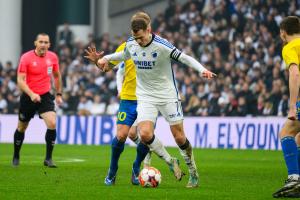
(291, 25)
(41, 34)
(140, 21)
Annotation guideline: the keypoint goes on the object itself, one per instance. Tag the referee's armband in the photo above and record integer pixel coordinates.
(175, 54)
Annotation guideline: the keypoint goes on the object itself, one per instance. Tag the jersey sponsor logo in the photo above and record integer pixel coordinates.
(154, 54)
(134, 54)
(144, 64)
(121, 116)
(144, 67)
(49, 69)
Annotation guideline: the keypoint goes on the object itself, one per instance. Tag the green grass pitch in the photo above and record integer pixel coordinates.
(224, 174)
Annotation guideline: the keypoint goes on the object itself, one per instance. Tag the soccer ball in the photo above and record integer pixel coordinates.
(149, 177)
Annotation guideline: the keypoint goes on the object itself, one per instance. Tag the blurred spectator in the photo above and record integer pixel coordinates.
(113, 107)
(65, 36)
(3, 105)
(84, 106)
(237, 39)
(98, 106)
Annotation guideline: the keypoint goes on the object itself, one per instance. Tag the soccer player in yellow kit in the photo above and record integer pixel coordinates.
(290, 35)
(126, 121)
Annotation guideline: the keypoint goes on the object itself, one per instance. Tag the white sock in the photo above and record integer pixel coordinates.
(157, 147)
(137, 140)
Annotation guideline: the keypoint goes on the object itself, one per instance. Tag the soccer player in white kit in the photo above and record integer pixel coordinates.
(156, 89)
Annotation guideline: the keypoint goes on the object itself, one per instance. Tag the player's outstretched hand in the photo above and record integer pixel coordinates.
(208, 74)
(93, 55)
(292, 115)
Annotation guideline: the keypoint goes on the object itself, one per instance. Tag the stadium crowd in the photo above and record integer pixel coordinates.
(236, 39)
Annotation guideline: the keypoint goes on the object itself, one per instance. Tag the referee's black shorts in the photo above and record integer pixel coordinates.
(28, 108)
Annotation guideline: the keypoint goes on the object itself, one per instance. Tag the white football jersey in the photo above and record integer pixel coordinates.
(155, 76)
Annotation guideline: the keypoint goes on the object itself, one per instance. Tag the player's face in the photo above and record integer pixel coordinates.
(42, 44)
(283, 36)
(142, 37)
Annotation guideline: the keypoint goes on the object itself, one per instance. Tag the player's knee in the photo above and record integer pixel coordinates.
(289, 129)
(146, 135)
(51, 124)
(22, 127)
(122, 135)
(180, 139)
(132, 133)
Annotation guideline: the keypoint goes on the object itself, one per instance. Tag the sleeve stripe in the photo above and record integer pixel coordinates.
(130, 39)
(175, 54)
(164, 42)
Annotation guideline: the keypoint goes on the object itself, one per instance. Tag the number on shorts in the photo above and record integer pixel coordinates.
(121, 116)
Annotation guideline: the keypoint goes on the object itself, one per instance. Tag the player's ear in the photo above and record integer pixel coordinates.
(149, 29)
(35, 43)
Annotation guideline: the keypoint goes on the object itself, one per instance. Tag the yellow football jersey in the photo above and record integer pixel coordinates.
(129, 83)
(291, 52)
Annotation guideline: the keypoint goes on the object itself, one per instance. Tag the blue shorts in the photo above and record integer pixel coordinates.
(127, 112)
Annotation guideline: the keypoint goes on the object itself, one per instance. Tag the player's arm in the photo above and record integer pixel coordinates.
(294, 78)
(120, 76)
(105, 62)
(21, 80)
(290, 57)
(58, 87)
(192, 62)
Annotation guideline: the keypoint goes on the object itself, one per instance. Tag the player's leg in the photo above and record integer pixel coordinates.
(290, 153)
(134, 136)
(18, 141)
(146, 133)
(50, 136)
(146, 118)
(27, 110)
(46, 110)
(117, 147)
(186, 151)
(126, 117)
(160, 151)
(172, 112)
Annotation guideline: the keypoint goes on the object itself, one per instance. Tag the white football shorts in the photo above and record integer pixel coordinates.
(171, 111)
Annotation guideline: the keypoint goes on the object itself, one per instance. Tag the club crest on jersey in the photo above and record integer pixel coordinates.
(154, 54)
(48, 62)
(49, 69)
(34, 63)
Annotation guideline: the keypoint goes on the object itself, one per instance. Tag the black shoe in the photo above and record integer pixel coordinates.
(291, 188)
(16, 162)
(49, 163)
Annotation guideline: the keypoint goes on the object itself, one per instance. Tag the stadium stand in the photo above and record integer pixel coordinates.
(238, 40)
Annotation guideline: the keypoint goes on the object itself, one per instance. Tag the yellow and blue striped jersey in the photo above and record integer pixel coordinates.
(129, 83)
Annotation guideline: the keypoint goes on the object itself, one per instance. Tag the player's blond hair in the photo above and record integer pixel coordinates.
(140, 21)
